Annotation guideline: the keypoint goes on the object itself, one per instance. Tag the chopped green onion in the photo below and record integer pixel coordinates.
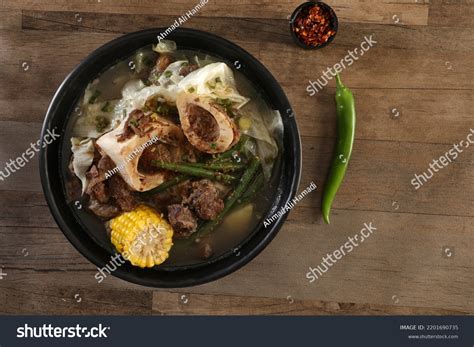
(147, 61)
(146, 82)
(94, 96)
(107, 107)
(101, 123)
(226, 104)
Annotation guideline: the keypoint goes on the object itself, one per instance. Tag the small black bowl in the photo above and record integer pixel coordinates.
(305, 6)
(286, 173)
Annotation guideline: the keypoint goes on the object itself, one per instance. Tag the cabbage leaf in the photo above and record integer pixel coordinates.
(214, 80)
(83, 155)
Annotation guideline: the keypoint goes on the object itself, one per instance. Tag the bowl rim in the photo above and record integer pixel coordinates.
(82, 242)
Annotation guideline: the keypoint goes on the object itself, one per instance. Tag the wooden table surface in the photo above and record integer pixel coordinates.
(414, 93)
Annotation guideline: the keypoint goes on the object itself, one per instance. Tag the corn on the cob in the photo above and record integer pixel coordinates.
(142, 236)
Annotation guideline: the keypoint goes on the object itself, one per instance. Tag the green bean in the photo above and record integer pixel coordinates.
(232, 199)
(233, 151)
(194, 171)
(253, 188)
(218, 166)
(346, 119)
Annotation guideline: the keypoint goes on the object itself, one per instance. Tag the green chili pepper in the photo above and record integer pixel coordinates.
(346, 119)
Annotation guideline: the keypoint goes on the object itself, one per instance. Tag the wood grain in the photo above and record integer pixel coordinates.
(451, 13)
(381, 12)
(166, 303)
(401, 270)
(421, 67)
(69, 301)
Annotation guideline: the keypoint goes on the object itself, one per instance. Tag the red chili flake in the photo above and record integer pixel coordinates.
(313, 26)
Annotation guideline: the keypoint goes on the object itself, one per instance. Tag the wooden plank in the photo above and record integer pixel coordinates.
(252, 29)
(382, 12)
(10, 19)
(24, 249)
(380, 67)
(316, 112)
(48, 298)
(171, 303)
(25, 209)
(353, 11)
(402, 264)
(48, 63)
(419, 261)
(15, 138)
(444, 13)
(412, 264)
(387, 114)
(380, 173)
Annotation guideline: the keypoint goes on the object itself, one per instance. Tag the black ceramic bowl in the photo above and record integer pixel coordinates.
(286, 173)
(334, 22)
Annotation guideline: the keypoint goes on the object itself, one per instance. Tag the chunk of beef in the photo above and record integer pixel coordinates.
(163, 61)
(106, 211)
(205, 200)
(182, 220)
(99, 192)
(121, 193)
(96, 187)
(107, 196)
(205, 251)
(73, 183)
(173, 195)
(187, 69)
(73, 188)
(184, 190)
(105, 164)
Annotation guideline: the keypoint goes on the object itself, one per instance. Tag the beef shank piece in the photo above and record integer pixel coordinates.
(182, 220)
(106, 211)
(97, 188)
(187, 69)
(121, 193)
(163, 61)
(205, 124)
(205, 200)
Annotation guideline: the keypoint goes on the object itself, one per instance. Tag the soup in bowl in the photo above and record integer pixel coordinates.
(174, 156)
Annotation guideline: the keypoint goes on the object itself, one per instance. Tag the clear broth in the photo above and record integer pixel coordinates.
(226, 238)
